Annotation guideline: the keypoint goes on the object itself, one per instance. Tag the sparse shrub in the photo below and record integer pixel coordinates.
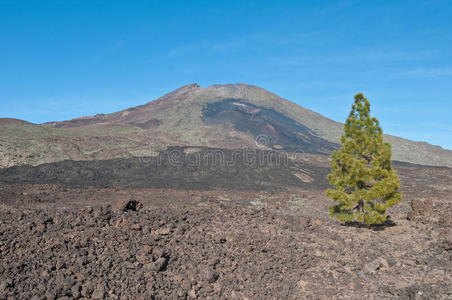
(298, 202)
(256, 202)
(361, 173)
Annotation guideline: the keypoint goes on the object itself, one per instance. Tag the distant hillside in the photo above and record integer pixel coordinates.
(222, 116)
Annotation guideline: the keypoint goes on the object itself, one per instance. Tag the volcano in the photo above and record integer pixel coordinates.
(231, 116)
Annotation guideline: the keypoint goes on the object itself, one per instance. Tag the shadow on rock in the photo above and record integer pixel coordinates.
(375, 227)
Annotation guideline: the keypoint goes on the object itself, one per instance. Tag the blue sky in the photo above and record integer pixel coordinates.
(64, 59)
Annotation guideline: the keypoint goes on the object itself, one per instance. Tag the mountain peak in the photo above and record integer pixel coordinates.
(183, 90)
(189, 86)
(224, 116)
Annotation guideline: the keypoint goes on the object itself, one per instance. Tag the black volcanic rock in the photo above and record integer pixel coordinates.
(207, 169)
(275, 129)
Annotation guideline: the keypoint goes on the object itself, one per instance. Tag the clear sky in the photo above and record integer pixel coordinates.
(64, 59)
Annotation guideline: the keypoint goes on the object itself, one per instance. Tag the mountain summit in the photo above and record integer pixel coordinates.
(228, 116)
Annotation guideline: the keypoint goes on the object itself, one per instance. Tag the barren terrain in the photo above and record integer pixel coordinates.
(215, 192)
(63, 242)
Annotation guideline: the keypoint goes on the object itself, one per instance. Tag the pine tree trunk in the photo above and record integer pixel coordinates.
(361, 205)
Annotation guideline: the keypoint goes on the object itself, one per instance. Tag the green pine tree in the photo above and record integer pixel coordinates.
(361, 173)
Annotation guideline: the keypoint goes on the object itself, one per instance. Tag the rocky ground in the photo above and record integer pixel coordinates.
(186, 168)
(63, 243)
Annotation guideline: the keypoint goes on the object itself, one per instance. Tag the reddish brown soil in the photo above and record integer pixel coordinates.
(77, 243)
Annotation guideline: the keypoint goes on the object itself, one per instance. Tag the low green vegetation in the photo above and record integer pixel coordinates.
(298, 202)
(256, 202)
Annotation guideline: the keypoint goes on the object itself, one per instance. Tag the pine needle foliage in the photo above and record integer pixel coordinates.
(365, 185)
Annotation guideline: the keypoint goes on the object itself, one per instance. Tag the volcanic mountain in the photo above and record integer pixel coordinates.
(231, 116)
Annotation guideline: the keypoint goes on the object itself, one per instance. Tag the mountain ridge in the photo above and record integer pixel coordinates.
(239, 113)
